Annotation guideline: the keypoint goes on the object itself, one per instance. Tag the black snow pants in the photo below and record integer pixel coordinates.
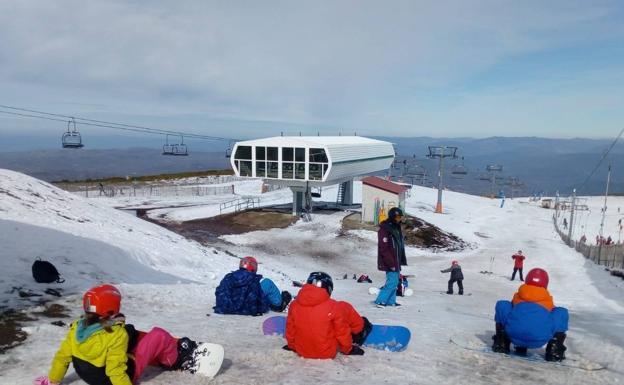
(516, 269)
(459, 285)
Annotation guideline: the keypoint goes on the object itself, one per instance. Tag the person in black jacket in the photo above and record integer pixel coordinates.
(456, 276)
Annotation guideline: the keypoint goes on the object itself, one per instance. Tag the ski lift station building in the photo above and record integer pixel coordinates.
(302, 162)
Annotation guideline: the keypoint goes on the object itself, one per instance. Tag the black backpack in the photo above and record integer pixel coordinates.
(45, 272)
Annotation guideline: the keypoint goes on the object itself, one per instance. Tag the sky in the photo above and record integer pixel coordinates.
(254, 69)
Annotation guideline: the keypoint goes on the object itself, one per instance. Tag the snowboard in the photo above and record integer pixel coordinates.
(207, 359)
(382, 337)
(572, 360)
(375, 290)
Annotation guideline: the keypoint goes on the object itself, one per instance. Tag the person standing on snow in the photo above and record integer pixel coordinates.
(390, 256)
(456, 276)
(531, 320)
(318, 326)
(518, 265)
(247, 293)
(106, 350)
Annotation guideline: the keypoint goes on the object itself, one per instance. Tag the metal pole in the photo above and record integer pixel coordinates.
(604, 212)
(441, 166)
(571, 224)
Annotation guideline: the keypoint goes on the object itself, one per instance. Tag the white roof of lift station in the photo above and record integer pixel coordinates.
(311, 160)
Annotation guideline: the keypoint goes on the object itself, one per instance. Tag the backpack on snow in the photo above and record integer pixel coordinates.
(45, 272)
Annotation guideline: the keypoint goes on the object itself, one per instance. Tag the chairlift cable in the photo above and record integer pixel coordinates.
(601, 160)
(105, 124)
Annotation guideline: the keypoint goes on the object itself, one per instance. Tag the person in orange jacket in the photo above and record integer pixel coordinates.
(531, 320)
(318, 326)
(106, 351)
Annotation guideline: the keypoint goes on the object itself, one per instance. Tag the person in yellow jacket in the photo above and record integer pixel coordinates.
(106, 351)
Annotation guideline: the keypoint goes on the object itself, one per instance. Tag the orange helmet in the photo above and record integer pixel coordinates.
(249, 264)
(103, 300)
(537, 277)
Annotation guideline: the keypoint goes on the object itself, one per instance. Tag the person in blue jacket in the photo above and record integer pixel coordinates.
(531, 320)
(247, 293)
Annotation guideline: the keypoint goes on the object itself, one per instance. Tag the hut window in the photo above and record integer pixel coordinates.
(260, 153)
(272, 154)
(287, 170)
(317, 155)
(273, 167)
(260, 169)
(287, 154)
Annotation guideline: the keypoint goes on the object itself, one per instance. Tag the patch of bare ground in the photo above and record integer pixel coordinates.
(417, 233)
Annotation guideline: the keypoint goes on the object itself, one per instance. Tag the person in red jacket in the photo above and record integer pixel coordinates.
(518, 265)
(318, 326)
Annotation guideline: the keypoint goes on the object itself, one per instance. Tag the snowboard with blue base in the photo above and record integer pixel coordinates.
(381, 337)
(572, 360)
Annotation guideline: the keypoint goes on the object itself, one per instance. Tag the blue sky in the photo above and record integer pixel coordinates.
(251, 69)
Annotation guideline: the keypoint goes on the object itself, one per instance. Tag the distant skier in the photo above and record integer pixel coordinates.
(456, 276)
(390, 256)
(531, 320)
(318, 326)
(247, 293)
(518, 265)
(106, 350)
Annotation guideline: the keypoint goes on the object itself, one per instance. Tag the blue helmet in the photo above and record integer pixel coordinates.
(321, 279)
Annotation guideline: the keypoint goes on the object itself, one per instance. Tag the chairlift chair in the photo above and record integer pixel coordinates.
(71, 138)
(228, 150)
(178, 149)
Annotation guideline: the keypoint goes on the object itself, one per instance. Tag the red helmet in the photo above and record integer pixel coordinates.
(104, 300)
(453, 263)
(249, 264)
(537, 277)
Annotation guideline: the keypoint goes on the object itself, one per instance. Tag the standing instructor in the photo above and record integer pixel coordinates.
(390, 256)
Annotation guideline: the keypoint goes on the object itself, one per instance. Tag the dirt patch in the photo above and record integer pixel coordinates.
(54, 310)
(417, 233)
(11, 333)
(208, 229)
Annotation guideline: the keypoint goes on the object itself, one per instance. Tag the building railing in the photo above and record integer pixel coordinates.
(240, 204)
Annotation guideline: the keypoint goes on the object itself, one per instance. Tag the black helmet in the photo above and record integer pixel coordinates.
(394, 212)
(320, 279)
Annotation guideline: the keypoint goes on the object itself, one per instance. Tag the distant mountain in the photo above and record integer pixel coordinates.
(540, 164)
(55, 165)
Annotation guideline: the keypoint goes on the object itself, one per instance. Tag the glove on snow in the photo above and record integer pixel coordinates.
(43, 380)
(356, 351)
(286, 347)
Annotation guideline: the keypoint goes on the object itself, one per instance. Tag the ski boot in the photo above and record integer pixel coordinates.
(501, 341)
(360, 337)
(520, 350)
(186, 359)
(555, 350)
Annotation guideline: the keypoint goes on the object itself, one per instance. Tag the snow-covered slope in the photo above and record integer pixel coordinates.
(89, 242)
(593, 297)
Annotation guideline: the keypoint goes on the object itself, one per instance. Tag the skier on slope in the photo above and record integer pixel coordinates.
(246, 292)
(518, 264)
(106, 351)
(456, 276)
(531, 320)
(318, 326)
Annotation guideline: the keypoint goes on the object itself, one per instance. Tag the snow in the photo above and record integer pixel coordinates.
(169, 281)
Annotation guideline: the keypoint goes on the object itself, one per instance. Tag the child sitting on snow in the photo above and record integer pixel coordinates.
(456, 276)
(104, 350)
(531, 320)
(318, 326)
(247, 293)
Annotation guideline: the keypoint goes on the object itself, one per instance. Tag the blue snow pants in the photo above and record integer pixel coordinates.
(387, 294)
(271, 291)
(530, 325)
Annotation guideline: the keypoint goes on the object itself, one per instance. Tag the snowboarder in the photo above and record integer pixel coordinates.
(390, 256)
(247, 293)
(518, 265)
(456, 276)
(106, 350)
(531, 320)
(318, 326)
